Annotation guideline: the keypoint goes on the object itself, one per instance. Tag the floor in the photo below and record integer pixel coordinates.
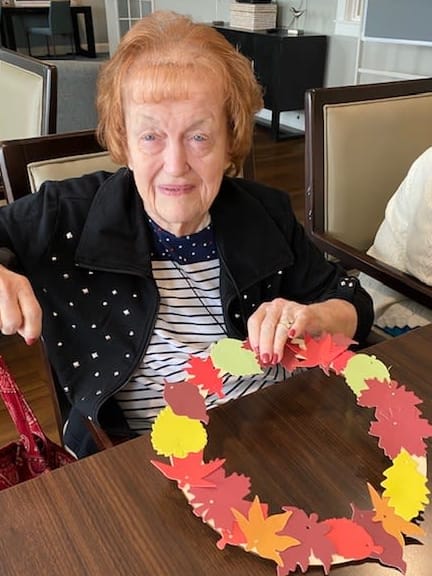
(279, 164)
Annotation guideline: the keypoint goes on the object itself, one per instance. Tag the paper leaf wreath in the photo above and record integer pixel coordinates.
(293, 538)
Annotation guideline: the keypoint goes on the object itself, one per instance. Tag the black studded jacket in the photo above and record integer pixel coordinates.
(84, 244)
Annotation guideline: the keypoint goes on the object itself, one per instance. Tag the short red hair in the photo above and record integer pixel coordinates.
(167, 49)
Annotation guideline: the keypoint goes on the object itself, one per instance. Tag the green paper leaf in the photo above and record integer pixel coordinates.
(229, 356)
(362, 367)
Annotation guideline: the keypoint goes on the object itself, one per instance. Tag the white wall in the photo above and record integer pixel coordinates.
(320, 18)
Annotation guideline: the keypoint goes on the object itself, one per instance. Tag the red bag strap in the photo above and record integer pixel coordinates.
(22, 415)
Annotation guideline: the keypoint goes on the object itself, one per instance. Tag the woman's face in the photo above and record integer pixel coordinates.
(178, 150)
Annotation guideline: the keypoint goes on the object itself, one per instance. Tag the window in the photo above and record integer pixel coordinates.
(122, 15)
(348, 17)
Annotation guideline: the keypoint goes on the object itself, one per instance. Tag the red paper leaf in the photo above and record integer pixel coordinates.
(203, 373)
(351, 540)
(190, 470)
(186, 400)
(321, 351)
(392, 551)
(339, 363)
(401, 428)
(311, 535)
(290, 359)
(216, 503)
(384, 395)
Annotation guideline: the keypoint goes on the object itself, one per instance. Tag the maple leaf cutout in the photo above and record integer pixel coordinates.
(392, 551)
(262, 532)
(387, 394)
(214, 505)
(191, 470)
(321, 351)
(203, 373)
(311, 535)
(405, 487)
(391, 522)
(400, 427)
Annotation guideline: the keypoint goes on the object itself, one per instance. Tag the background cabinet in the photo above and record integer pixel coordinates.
(285, 65)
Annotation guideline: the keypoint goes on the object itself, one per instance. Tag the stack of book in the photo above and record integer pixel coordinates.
(253, 16)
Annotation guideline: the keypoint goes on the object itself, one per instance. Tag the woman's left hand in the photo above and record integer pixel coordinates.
(273, 323)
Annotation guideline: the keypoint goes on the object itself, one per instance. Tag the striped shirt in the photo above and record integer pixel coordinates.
(189, 321)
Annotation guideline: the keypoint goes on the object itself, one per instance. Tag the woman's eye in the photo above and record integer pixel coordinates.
(199, 138)
(149, 137)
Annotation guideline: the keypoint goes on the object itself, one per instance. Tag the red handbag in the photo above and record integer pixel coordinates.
(33, 454)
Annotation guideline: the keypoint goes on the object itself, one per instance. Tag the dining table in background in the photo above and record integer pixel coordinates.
(9, 13)
(303, 442)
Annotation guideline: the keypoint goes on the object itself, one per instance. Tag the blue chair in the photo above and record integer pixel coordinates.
(59, 24)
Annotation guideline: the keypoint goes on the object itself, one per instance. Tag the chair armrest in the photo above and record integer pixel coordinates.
(352, 258)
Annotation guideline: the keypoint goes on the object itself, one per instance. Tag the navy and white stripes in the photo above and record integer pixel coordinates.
(183, 327)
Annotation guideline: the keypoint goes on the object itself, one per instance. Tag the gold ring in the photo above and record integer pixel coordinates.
(287, 324)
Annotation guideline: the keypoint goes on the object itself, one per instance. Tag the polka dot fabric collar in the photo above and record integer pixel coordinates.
(294, 538)
(197, 247)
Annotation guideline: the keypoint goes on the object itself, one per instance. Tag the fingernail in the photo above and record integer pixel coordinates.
(30, 341)
(292, 333)
(265, 358)
(275, 359)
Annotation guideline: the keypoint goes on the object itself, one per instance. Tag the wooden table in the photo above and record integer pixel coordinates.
(10, 12)
(303, 442)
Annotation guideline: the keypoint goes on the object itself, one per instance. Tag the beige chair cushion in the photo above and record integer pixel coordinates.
(68, 167)
(21, 95)
(387, 135)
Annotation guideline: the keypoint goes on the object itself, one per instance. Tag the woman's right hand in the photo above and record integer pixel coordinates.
(19, 309)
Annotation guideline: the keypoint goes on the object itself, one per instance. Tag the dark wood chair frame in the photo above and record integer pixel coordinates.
(15, 155)
(350, 257)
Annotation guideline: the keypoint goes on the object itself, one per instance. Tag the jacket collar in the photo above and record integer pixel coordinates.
(116, 237)
(237, 213)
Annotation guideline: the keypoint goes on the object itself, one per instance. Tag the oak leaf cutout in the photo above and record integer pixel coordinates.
(398, 428)
(387, 394)
(215, 504)
(405, 486)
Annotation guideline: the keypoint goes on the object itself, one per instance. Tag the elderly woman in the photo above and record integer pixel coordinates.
(127, 274)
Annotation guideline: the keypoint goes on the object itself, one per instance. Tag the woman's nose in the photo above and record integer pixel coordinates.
(175, 158)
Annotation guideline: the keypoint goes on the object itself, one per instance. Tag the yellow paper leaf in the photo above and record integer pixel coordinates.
(405, 487)
(391, 522)
(174, 435)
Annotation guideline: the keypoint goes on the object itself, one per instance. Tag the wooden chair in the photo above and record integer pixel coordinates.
(359, 143)
(28, 96)
(26, 163)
